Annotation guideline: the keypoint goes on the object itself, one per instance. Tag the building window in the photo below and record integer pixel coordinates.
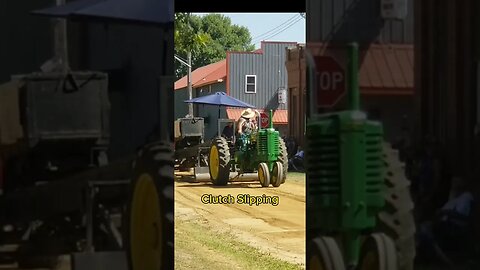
(251, 84)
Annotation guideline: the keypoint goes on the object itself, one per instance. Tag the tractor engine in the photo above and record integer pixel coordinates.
(245, 152)
(268, 145)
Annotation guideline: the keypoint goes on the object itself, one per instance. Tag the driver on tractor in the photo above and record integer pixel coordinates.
(247, 123)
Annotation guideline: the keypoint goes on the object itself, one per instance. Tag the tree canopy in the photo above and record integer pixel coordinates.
(208, 38)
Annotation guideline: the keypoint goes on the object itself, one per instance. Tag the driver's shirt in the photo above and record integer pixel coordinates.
(246, 125)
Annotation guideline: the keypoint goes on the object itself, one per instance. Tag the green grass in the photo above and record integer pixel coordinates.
(203, 248)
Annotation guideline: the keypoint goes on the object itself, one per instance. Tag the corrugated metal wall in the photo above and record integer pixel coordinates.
(210, 113)
(356, 20)
(138, 52)
(446, 79)
(271, 75)
(181, 108)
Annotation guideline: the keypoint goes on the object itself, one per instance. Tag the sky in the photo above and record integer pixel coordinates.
(271, 26)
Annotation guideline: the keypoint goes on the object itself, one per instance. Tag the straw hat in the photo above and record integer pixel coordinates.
(248, 113)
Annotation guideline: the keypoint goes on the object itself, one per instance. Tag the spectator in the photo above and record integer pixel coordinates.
(296, 163)
(451, 226)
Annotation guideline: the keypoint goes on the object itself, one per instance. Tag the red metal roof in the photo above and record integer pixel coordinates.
(385, 69)
(205, 75)
(280, 117)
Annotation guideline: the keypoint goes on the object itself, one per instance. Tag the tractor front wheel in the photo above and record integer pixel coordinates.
(324, 254)
(264, 174)
(149, 219)
(219, 161)
(277, 174)
(378, 253)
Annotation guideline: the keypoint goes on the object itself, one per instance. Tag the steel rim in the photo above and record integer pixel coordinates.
(261, 174)
(145, 225)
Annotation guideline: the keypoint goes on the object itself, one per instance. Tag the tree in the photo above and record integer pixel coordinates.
(208, 38)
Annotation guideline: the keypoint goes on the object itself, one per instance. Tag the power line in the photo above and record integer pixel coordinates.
(271, 30)
(280, 30)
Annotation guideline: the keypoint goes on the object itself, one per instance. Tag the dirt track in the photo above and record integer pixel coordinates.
(278, 230)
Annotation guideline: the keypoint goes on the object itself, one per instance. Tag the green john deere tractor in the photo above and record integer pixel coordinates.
(262, 152)
(359, 209)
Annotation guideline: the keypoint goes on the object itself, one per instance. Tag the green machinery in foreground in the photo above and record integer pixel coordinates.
(349, 189)
(263, 151)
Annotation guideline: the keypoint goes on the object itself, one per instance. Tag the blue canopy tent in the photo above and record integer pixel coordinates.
(220, 99)
(153, 12)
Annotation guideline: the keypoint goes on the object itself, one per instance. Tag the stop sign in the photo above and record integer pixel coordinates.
(264, 120)
(330, 81)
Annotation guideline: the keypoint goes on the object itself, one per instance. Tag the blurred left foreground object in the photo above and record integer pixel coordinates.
(63, 192)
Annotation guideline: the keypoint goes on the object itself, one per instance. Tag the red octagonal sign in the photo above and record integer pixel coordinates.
(264, 120)
(330, 81)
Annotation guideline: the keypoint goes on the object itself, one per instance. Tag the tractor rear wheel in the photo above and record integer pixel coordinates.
(324, 254)
(149, 219)
(277, 174)
(283, 158)
(378, 253)
(396, 219)
(264, 174)
(219, 162)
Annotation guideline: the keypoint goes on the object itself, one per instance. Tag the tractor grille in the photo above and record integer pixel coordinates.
(345, 167)
(268, 144)
(374, 163)
(262, 142)
(322, 158)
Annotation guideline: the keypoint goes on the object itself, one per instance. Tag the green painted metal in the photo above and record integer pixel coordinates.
(262, 146)
(354, 91)
(344, 161)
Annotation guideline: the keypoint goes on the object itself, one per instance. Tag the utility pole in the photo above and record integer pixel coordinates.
(61, 51)
(189, 80)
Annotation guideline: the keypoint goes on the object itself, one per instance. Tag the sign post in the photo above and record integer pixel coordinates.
(330, 81)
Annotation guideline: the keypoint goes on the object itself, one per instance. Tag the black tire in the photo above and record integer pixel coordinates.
(155, 160)
(396, 219)
(223, 153)
(324, 253)
(283, 158)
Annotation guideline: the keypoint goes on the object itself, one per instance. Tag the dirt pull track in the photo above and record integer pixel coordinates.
(278, 230)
